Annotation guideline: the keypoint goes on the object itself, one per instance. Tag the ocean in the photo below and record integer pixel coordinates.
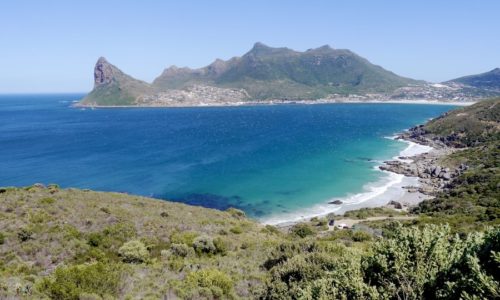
(277, 163)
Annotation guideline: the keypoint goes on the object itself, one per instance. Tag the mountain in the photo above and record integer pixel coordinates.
(489, 80)
(113, 87)
(267, 73)
(260, 74)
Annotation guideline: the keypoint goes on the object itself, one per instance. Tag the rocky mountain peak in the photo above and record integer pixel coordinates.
(103, 72)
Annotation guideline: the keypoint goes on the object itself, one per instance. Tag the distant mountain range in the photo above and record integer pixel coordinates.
(489, 80)
(266, 74)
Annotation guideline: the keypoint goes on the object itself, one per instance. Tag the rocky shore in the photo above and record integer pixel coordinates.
(434, 176)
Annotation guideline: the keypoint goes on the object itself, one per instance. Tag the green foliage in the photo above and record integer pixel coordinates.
(368, 212)
(414, 263)
(314, 271)
(186, 237)
(47, 201)
(181, 250)
(72, 282)
(2, 238)
(236, 230)
(208, 283)
(270, 229)
(134, 252)
(361, 236)
(468, 126)
(204, 245)
(221, 246)
(473, 199)
(302, 230)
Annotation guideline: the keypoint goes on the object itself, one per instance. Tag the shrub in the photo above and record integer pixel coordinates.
(210, 282)
(164, 214)
(95, 239)
(204, 244)
(134, 252)
(186, 237)
(220, 246)
(24, 234)
(271, 229)
(72, 282)
(431, 262)
(2, 238)
(361, 236)
(105, 210)
(236, 230)
(181, 250)
(302, 230)
(47, 201)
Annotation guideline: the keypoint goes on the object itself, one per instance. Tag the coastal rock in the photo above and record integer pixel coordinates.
(446, 176)
(337, 202)
(436, 170)
(103, 72)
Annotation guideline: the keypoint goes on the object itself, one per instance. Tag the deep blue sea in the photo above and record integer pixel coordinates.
(267, 160)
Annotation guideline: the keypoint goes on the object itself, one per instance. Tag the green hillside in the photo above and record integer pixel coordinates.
(488, 80)
(266, 72)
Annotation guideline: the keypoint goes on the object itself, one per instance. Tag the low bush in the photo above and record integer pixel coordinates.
(204, 245)
(302, 230)
(134, 252)
(186, 237)
(181, 250)
(72, 282)
(236, 230)
(209, 283)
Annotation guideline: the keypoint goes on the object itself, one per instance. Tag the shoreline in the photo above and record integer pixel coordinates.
(408, 185)
(282, 102)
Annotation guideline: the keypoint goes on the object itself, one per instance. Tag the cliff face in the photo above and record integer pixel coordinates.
(114, 87)
(103, 72)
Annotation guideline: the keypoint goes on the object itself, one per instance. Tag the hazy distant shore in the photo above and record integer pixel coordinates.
(280, 102)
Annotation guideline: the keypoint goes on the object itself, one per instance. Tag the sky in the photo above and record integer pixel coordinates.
(52, 46)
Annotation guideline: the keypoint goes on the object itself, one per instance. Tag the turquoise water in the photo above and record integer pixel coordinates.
(266, 160)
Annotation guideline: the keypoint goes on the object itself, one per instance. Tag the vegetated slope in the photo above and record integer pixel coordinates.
(74, 244)
(83, 233)
(488, 80)
(473, 198)
(281, 73)
(468, 126)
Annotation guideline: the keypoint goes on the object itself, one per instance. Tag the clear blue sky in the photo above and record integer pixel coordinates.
(51, 46)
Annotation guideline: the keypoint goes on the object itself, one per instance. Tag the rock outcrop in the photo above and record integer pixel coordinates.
(103, 72)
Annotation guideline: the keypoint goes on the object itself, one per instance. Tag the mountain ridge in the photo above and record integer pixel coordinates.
(263, 73)
(267, 74)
